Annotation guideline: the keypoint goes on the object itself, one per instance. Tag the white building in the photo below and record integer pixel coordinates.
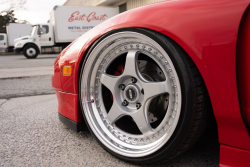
(123, 5)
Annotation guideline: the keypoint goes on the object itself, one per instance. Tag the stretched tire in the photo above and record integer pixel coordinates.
(30, 51)
(142, 97)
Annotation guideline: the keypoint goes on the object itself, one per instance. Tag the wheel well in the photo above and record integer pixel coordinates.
(242, 67)
(91, 47)
(33, 45)
(211, 116)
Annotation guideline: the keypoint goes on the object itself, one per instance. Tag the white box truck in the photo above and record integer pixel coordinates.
(14, 30)
(67, 23)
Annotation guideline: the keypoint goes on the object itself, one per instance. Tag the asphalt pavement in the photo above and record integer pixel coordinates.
(20, 77)
(32, 135)
(19, 61)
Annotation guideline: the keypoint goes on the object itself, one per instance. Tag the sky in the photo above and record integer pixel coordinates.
(37, 11)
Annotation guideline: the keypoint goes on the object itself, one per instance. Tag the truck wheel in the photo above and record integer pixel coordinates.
(30, 51)
(142, 97)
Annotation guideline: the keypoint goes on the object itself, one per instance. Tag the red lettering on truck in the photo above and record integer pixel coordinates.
(91, 17)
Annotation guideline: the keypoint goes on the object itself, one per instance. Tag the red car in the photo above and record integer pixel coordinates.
(146, 81)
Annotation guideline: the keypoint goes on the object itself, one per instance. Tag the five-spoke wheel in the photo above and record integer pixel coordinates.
(131, 89)
(131, 101)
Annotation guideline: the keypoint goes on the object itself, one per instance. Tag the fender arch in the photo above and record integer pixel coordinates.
(207, 31)
(30, 43)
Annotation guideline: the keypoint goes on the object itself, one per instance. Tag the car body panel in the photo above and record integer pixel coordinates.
(67, 103)
(56, 78)
(231, 156)
(207, 30)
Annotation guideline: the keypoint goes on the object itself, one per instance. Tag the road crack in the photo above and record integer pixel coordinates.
(1, 104)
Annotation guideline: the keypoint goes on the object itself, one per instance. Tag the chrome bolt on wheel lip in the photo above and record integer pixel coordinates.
(102, 122)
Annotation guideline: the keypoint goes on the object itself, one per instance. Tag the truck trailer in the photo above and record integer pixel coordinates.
(66, 24)
(14, 30)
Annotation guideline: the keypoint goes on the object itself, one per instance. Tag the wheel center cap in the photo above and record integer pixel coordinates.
(131, 93)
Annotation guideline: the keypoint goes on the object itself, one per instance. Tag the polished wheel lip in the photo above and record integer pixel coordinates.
(111, 139)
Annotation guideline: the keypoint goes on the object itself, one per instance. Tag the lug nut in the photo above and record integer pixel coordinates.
(134, 80)
(125, 103)
(122, 86)
(138, 105)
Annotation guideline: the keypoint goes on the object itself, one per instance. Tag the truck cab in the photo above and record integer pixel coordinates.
(41, 36)
(67, 23)
(3, 41)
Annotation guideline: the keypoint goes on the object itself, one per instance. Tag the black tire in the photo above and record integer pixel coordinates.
(30, 51)
(195, 102)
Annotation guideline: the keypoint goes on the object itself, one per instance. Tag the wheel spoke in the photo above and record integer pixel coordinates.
(140, 118)
(109, 81)
(152, 89)
(115, 112)
(131, 67)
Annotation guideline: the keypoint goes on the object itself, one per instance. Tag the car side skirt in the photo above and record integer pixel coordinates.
(232, 156)
(77, 127)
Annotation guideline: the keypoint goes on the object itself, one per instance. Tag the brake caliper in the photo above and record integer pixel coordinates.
(119, 70)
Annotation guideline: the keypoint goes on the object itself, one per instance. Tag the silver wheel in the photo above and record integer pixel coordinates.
(31, 52)
(145, 98)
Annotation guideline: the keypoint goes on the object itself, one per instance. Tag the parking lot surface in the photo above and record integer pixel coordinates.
(19, 61)
(32, 135)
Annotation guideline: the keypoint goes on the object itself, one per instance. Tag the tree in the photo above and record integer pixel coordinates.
(7, 8)
(9, 5)
(8, 17)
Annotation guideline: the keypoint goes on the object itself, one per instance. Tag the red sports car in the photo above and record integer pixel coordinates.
(146, 81)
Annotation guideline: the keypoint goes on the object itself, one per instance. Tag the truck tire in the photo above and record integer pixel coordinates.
(135, 62)
(30, 51)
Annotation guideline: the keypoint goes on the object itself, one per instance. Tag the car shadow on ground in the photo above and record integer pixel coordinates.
(204, 153)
